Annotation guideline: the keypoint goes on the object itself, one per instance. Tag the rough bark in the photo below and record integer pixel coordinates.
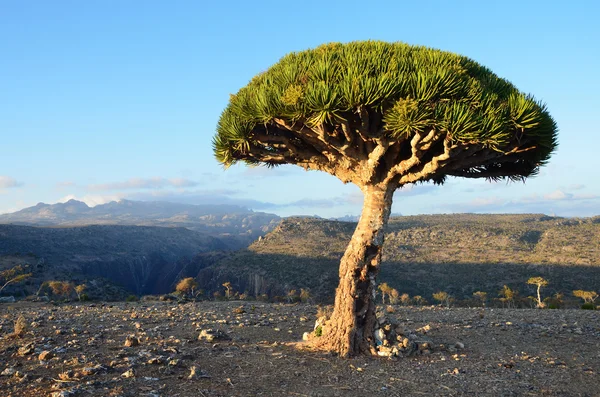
(350, 330)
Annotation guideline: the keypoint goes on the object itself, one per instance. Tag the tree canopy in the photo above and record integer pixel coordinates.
(382, 115)
(374, 112)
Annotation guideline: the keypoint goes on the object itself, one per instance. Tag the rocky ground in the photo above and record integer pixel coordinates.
(153, 349)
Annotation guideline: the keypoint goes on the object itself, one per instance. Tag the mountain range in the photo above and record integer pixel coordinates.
(146, 247)
(236, 226)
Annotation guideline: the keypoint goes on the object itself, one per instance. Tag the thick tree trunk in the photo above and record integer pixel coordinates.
(350, 330)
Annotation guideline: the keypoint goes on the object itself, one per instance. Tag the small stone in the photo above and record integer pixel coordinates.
(45, 355)
(459, 345)
(67, 375)
(155, 360)
(26, 349)
(128, 374)
(424, 346)
(380, 335)
(211, 335)
(196, 373)
(405, 342)
(8, 372)
(132, 341)
(306, 336)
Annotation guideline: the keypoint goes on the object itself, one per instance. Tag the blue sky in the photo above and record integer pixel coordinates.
(104, 100)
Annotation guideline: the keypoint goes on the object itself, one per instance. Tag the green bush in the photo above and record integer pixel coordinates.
(588, 306)
(319, 331)
(132, 298)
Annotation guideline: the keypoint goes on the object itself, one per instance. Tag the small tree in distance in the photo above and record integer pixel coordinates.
(186, 286)
(61, 288)
(228, 289)
(394, 296)
(508, 296)
(13, 275)
(304, 295)
(382, 116)
(385, 291)
(588, 296)
(405, 299)
(539, 282)
(443, 297)
(481, 296)
(79, 290)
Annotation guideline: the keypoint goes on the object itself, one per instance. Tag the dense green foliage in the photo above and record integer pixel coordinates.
(409, 88)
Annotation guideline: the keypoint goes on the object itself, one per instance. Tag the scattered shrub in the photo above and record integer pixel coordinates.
(319, 331)
(481, 296)
(405, 299)
(443, 297)
(262, 298)
(132, 298)
(186, 286)
(304, 295)
(588, 306)
(20, 327)
(13, 275)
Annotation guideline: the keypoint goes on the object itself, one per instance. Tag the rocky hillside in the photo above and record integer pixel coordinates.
(459, 254)
(236, 226)
(140, 259)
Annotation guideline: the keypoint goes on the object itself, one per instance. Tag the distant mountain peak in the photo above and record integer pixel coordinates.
(216, 219)
(73, 202)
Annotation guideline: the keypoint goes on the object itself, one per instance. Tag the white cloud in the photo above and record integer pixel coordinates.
(144, 183)
(558, 195)
(557, 202)
(7, 182)
(91, 200)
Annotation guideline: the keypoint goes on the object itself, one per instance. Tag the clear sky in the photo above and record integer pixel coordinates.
(109, 99)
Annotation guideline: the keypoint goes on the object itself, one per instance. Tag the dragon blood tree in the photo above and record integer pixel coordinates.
(382, 115)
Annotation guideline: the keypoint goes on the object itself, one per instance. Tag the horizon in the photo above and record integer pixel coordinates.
(103, 102)
(339, 218)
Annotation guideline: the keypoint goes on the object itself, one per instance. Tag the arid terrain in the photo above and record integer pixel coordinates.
(80, 350)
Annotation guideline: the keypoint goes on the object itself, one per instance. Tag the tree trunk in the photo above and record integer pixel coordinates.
(350, 330)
